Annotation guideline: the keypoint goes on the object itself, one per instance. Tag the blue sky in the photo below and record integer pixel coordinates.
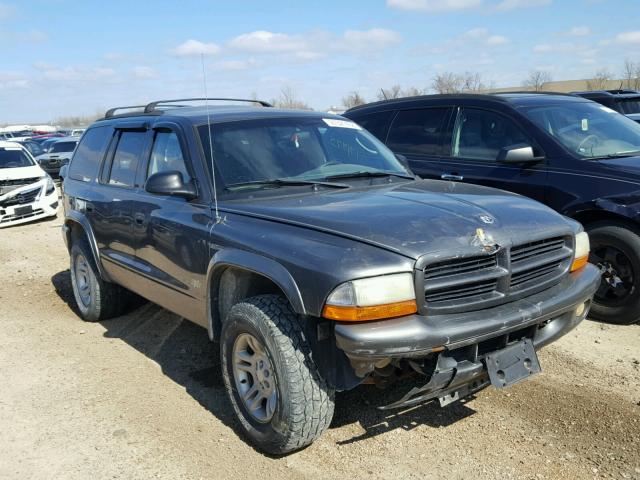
(70, 58)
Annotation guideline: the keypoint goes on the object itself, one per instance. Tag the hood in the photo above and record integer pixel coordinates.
(21, 172)
(626, 164)
(49, 156)
(415, 218)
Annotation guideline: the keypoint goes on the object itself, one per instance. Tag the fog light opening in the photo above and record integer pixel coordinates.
(582, 310)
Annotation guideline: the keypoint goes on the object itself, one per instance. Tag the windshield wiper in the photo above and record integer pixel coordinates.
(282, 182)
(630, 153)
(365, 174)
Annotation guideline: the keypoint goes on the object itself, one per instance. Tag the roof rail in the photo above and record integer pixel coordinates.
(154, 105)
(112, 111)
(532, 92)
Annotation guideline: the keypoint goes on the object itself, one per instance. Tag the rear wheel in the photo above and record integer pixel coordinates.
(276, 390)
(96, 299)
(615, 250)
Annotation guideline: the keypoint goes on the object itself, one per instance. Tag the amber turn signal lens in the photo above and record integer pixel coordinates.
(363, 314)
(579, 262)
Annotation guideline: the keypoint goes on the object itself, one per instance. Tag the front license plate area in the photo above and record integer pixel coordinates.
(19, 211)
(512, 364)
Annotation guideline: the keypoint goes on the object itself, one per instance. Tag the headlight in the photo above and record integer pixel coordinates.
(581, 254)
(50, 186)
(372, 298)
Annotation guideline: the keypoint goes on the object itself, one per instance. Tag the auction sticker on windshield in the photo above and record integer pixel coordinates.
(334, 122)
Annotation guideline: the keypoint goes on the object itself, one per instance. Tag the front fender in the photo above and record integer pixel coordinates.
(254, 263)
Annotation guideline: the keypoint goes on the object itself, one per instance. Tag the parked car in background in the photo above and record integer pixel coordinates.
(35, 149)
(575, 155)
(58, 154)
(626, 102)
(77, 132)
(316, 260)
(26, 192)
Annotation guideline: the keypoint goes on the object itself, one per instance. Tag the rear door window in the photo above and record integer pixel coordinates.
(89, 154)
(126, 158)
(418, 131)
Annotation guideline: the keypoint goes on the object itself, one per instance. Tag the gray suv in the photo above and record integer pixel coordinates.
(315, 259)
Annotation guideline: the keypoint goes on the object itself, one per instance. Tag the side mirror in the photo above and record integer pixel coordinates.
(63, 171)
(171, 183)
(520, 153)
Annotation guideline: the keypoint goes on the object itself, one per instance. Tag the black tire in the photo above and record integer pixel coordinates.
(105, 300)
(615, 248)
(304, 406)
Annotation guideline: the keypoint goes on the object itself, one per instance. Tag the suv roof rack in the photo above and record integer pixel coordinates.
(153, 106)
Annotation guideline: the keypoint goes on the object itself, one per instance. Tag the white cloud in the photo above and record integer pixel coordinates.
(10, 80)
(142, 71)
(373, 39)
(581, 31)
(315, 44)
(6, 11)
(237, 65)
(513, 4)
(192, 48)
(474, 37)
(433, 5)
(628, 38)
(262, 41)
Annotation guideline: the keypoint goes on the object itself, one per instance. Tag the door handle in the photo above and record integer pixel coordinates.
(452, 177)
(140, 218)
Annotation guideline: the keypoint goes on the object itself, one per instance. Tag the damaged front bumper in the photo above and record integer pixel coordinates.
(459, 343)
(28, 203)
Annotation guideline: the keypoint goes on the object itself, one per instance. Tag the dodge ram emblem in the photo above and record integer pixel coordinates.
(488, 219)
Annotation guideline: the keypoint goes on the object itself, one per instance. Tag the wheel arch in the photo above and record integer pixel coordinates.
(586, 217)
(75, 226)
(235, 274)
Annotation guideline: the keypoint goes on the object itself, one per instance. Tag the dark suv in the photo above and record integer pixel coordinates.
(315, 259)
(579, 157)
(626, 102)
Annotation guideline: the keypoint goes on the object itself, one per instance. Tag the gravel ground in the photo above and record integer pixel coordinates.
(140, 396)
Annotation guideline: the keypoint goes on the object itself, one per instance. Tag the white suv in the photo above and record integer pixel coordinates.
(26, 191)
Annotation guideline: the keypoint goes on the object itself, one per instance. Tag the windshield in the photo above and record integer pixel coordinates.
(588, 129)
(62, 147)
(34, 148)
(294, 149)
(14, 157)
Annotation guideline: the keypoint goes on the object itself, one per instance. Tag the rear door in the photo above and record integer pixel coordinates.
(478, 135)
(113, 203)
(418, 134)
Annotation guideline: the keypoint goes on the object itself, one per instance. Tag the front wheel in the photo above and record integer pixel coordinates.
(615, 249)
(276, 390)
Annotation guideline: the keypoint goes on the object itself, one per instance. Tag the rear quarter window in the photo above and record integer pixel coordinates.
(89, 153)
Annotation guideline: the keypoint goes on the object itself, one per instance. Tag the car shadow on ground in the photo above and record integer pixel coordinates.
(185, 354)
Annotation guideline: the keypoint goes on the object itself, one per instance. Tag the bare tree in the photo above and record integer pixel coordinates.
(447, 82)
(537, 79)
(631, 74)
(78, 120)
(472, 82)
(389, 93)
(412, 92)
(288, 99)
(599, 81)
(353, 100)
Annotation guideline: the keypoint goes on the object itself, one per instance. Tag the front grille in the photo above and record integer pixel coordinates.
(22, 198)
(7, 186)
(471, 282)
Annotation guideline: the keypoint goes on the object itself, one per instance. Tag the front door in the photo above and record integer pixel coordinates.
(477, 138)
(172, 233)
